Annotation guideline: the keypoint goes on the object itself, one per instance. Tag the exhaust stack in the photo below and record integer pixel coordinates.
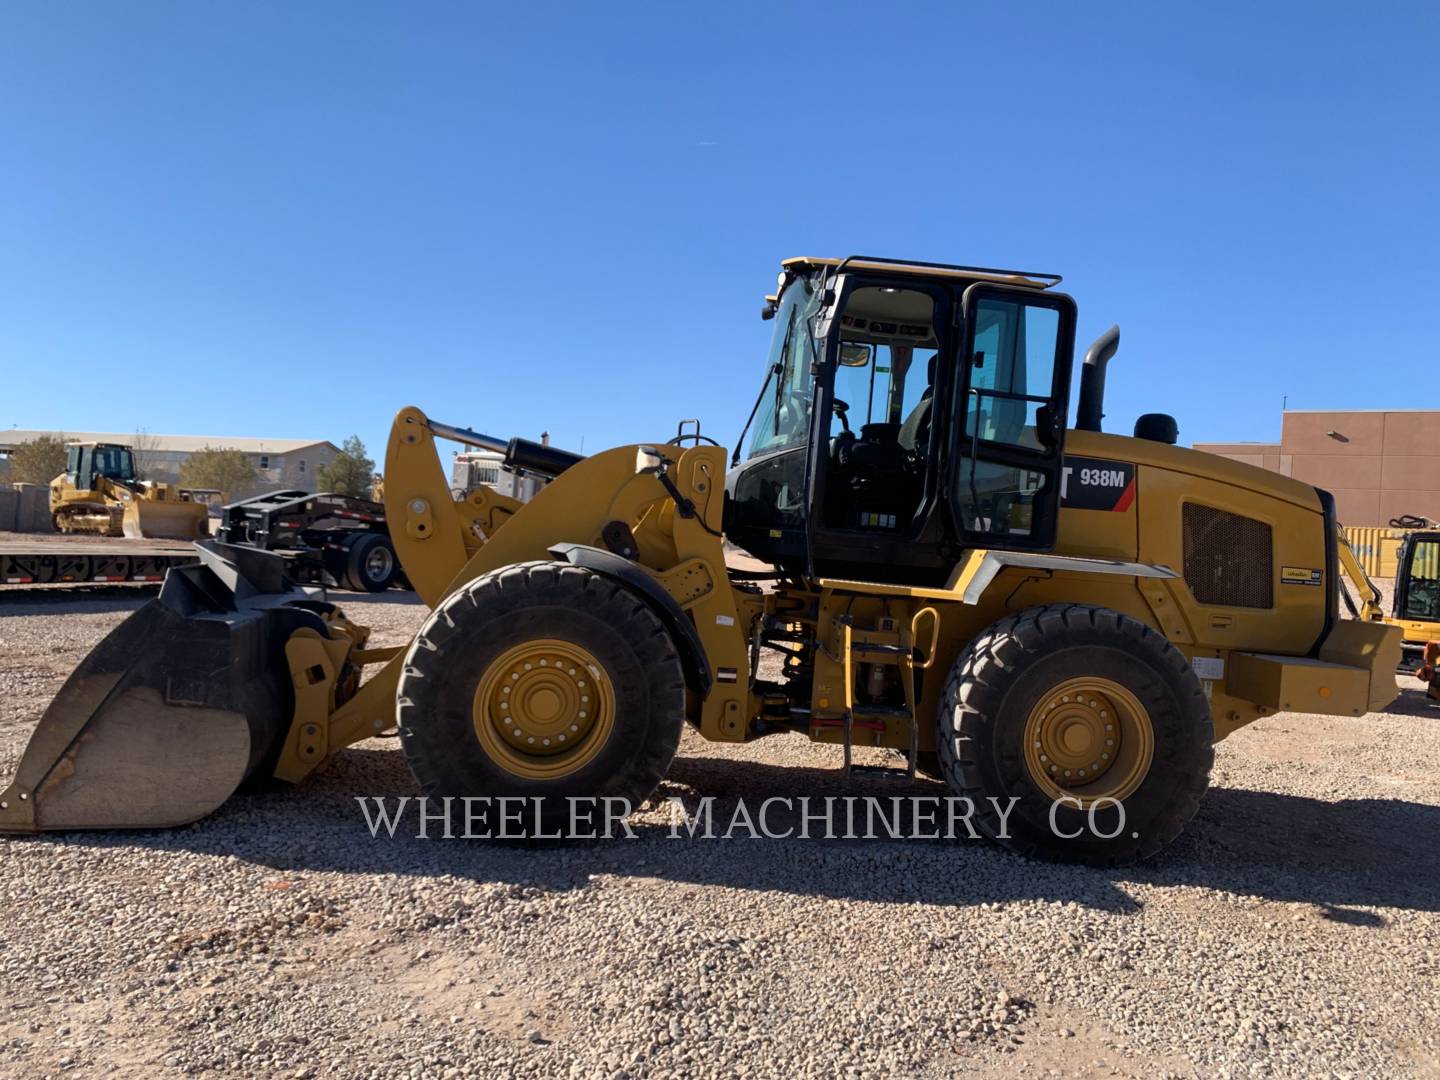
(1091, 409)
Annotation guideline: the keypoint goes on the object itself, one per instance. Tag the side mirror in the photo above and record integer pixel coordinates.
(854, 355)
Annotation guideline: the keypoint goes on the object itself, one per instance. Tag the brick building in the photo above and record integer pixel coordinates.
(1379, 464)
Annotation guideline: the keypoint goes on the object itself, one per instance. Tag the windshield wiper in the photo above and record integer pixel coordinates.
(739, 442)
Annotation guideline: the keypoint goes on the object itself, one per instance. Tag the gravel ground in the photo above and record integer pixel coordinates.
(1291, 931)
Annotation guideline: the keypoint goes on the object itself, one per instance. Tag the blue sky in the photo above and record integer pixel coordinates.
(292, 219)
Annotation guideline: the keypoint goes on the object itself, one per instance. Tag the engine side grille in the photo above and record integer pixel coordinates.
(1229, 559)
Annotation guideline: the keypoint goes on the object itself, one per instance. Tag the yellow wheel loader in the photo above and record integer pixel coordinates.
(99, 492)
(1059, 624)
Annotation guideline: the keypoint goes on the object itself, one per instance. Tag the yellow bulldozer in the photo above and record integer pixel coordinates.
(100, 492)
(1057, 623)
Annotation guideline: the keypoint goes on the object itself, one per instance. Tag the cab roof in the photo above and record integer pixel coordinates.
(1023, 278)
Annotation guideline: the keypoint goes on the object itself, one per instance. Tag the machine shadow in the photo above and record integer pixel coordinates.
(1340, 856)
(1413, 701)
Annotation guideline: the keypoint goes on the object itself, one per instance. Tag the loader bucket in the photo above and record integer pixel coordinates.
(165, 519)
(174, 709)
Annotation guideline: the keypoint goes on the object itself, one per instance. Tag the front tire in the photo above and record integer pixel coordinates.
(1091, 719)
(543, 681)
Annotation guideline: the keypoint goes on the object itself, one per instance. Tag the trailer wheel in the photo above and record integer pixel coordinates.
(1090, 721)
(546, 682)
(370, 563)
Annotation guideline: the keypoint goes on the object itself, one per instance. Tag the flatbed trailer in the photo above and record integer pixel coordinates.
(325, 538)
(31, 559)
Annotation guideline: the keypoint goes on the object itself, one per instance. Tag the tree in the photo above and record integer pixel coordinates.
(146, 448)
(351, 473)
(230, 472)
(38, 461)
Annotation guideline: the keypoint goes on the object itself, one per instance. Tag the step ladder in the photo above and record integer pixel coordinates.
(901, 654)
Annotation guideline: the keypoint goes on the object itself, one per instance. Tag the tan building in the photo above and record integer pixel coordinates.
(1379, 464)
(280, 464)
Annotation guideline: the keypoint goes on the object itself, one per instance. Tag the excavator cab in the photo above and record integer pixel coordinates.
(1416, 605)
(909, 411)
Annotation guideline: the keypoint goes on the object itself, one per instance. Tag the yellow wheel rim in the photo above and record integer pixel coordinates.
(1087, 739)
(544, 709)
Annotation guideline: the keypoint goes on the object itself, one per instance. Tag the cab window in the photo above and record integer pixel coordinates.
(783, 419)
(1422, 597)
(884, 370)
(1013, 371)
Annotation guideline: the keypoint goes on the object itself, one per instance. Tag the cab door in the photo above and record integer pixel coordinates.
(72, 466)
(1008, 435)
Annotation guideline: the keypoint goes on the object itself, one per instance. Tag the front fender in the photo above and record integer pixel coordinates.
(634, 577)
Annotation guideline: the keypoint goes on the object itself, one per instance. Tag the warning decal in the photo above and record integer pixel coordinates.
(1097, 484)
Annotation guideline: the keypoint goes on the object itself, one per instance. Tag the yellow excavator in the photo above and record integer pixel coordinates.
(1415, 602)
(99, 492)
(1056, 622)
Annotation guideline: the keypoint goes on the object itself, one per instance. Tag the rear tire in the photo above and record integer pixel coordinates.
(543, 681)
(1110, 700)
(370, 563)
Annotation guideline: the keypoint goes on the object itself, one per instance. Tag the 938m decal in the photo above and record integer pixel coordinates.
(1097, 484)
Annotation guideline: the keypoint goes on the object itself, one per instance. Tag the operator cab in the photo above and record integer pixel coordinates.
(874, 453)
(86, 461)
(1417, 593)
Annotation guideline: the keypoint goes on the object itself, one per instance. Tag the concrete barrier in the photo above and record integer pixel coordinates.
(33, 511)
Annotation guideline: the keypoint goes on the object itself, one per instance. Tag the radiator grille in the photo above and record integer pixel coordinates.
(1229, 559)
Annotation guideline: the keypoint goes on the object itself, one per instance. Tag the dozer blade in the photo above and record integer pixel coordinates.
(174, 709)
(165, 519)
